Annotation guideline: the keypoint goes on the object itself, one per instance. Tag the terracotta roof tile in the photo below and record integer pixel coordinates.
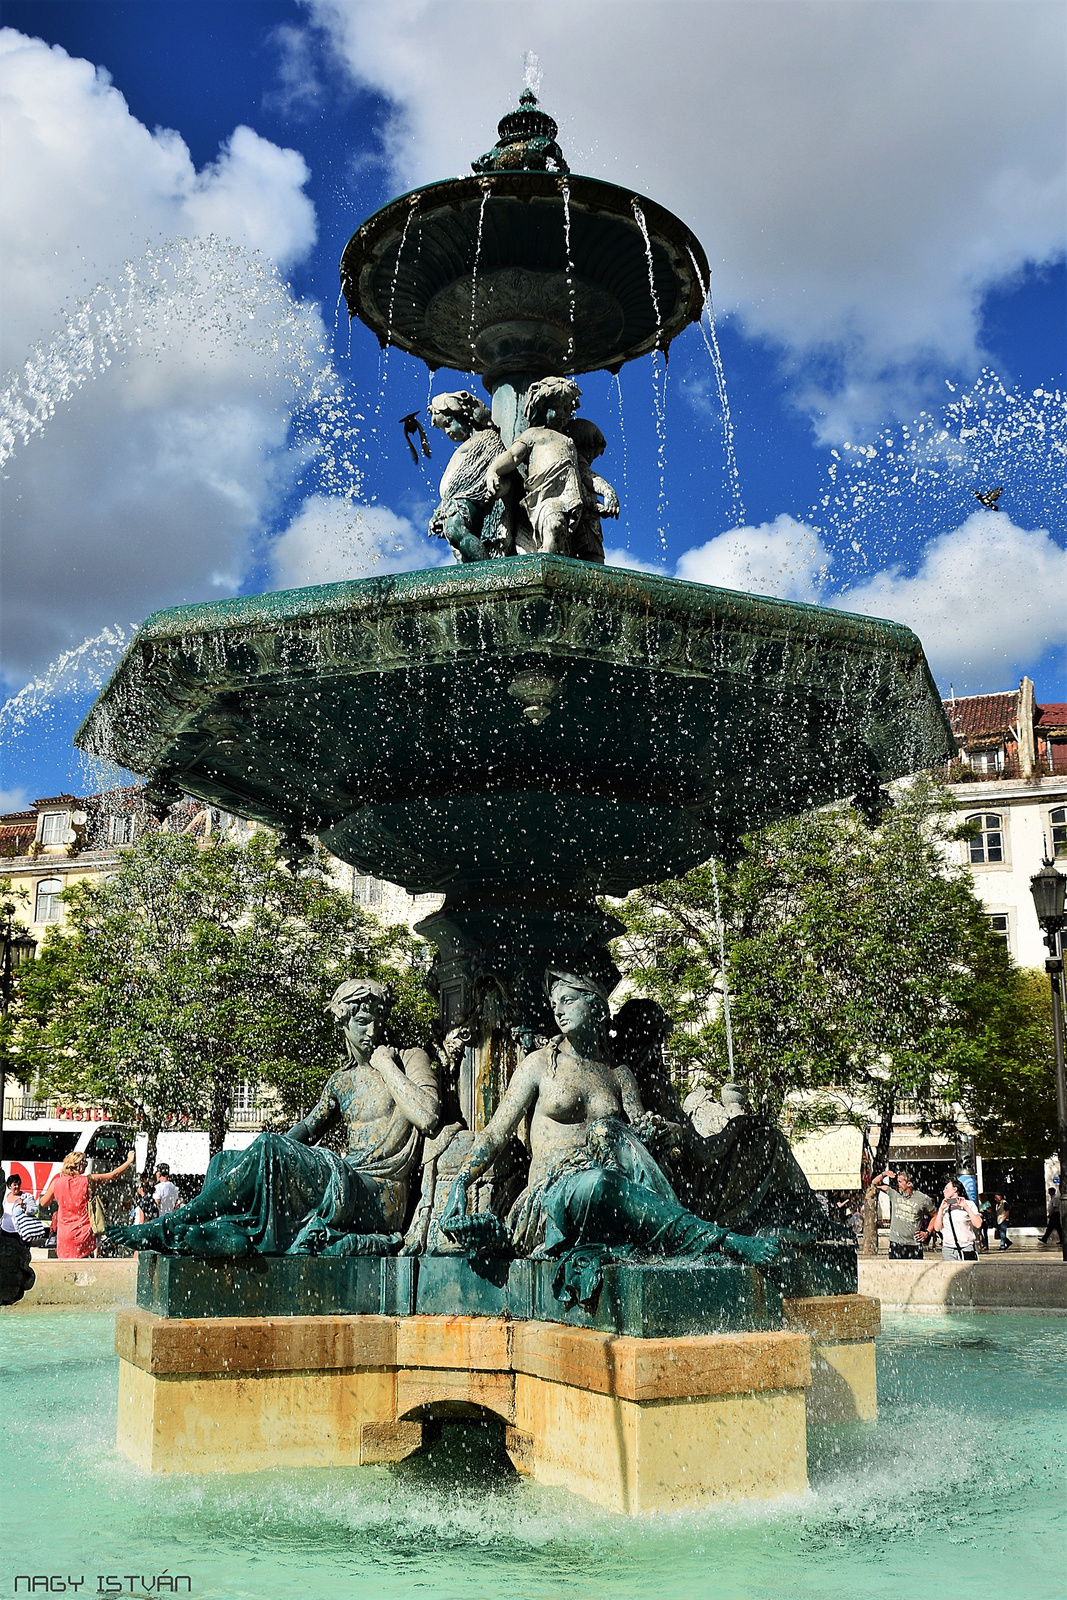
(981, 716)
(1052, 716)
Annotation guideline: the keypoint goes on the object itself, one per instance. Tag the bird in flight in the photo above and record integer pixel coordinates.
(411, 425)
(988, 497)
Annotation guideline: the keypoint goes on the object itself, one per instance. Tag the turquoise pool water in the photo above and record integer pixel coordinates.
(957, 1493)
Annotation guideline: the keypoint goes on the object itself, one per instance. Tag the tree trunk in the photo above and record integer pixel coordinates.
(885, 1132)
(150, 1154)
(879, 1164)
(870, 1222)
(219, 1109)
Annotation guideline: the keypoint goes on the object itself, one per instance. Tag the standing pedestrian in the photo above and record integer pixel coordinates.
(985, 1211)
(957, 1220)
(165, 1194)
(144, 1207)
(1003, 1218)
(907, 1206)
(1053, 1219)
(71, 1190)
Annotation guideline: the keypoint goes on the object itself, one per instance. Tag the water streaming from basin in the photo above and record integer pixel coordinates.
(939, 1497)
(659, 380)
(711, 344)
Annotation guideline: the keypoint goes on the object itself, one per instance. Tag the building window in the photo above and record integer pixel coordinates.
(1057, 823)
(998, 921)
(54, 827)
(46, 908)
(988, 843)
(120, 830)
(368, 891)
(987, 761)
(245, 1099)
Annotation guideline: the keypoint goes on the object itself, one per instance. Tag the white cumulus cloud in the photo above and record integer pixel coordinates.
(148, 484)
(328, 542)
(783, 558)
(859, 173)
(987, 598)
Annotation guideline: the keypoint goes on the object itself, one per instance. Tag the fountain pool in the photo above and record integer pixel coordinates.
(956, 1490)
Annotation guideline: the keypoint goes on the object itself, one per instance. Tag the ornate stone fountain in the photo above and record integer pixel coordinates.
(523, 731)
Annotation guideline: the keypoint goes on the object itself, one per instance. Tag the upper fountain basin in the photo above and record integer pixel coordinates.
(530, 272)
(521, 722)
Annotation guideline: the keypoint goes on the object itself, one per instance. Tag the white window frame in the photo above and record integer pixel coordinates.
(986, 865)
(121, 830)
(1007, 933)
(52, 895)
(56, 823)
(1057, 812)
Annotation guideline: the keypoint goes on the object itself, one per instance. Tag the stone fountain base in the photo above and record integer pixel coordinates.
(633, 1424)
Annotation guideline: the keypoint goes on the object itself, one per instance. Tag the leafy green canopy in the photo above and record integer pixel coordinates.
(861, 969)
(193, 968)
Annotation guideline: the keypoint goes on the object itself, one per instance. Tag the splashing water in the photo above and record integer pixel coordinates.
(531, 71)
(86, 667)
(659, 384)
(47, 705)
(622, 432)
(565, 190)
(207, 289)
(720, 934)
(474, 272)
(916, 480)
(383, 363)
(987, 1393)
(711, 344)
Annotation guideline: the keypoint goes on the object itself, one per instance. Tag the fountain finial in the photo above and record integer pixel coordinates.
(526, 141)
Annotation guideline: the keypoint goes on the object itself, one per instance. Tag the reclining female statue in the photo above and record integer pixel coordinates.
(593, 1185)
(283, 1196)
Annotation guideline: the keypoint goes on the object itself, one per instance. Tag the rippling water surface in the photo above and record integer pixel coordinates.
(957, 1491)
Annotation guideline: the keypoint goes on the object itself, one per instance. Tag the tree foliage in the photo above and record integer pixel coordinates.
(861, 969)
(194, 968)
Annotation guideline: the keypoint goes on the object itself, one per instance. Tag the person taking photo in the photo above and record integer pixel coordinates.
(958, 1221)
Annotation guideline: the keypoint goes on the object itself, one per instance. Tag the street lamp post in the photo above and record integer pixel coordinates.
(15, 947)
(1049, 889)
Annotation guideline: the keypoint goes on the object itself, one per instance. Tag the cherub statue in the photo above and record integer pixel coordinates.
(598, 497)
(472, 519)
(554, 499)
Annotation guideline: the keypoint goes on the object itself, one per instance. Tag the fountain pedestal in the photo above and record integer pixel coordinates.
(634, 1425)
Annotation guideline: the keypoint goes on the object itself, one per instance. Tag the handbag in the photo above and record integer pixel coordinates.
(97, 1216)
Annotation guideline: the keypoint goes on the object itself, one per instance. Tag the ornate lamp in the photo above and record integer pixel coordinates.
(1049, 889)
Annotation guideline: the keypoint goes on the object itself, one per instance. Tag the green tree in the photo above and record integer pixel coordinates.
(861, 969)
(194, 968)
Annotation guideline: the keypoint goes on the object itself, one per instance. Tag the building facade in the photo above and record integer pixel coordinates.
(1009, 781)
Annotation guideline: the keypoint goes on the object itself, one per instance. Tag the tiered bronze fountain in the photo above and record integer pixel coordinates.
(531, 1230)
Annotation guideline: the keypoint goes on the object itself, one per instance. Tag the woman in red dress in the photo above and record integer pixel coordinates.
(70, 1189)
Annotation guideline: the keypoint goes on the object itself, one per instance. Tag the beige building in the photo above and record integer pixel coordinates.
(1010, 781)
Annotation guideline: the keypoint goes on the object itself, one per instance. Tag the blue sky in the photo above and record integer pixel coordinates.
(880, 189)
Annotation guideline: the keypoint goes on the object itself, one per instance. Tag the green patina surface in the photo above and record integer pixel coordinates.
(381, 715)
(662, 1299)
